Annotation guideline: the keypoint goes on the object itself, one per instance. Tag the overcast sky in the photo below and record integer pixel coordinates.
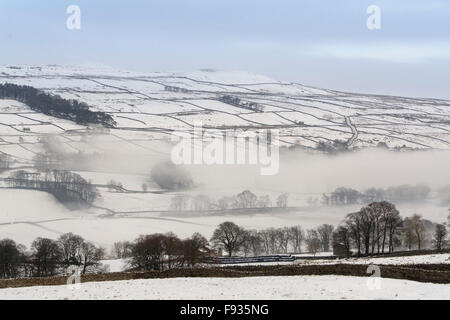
(323, 43)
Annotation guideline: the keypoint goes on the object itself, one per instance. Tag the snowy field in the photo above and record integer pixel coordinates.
(282, 288)
(117, 265)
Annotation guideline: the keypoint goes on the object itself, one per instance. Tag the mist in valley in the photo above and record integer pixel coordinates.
(302, 174)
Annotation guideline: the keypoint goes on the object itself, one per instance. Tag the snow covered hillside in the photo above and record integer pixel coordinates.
(143, 104)
(284, 288)
(148, 107)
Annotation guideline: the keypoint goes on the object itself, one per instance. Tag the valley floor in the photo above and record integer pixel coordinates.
(283, 287)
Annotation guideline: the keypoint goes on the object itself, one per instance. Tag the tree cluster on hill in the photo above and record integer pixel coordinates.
(243, 200)
(67, 187)
(176, 89)
(440, 237)
(49, 257)
(237, 102)
(54, 105)
(398, 194)
(332, 147)
(376, 228)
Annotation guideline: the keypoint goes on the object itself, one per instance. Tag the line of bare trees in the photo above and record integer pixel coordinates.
(244, 200)
(163, 251)
(398, 194)
(237, 102)
(49, 257)
(376, 228)
(237, 240)
(379, 228)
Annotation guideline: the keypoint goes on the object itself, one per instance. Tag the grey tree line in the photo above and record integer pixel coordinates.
(235, 240)
(66, 186)
(244, 200)
(49, 257)
(378, 228)
(397, 194)
(163, 251)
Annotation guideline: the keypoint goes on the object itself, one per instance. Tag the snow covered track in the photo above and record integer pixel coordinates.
(284, 288)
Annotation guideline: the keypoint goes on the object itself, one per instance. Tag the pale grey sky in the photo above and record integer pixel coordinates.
(322, 43)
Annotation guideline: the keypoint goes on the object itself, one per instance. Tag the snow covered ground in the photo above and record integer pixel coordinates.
(419, 259)
(114, 265)
(281, 288)
(117, 265)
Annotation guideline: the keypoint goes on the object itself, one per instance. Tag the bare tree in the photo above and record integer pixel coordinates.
(390, 222)
(439, 236)
(419, 229)
(341, 242)
(195, 249)
(282, 236)
(246, 243)
(312, 241)
(11, 257)
(282, 200)
(76, 251)
(266, 242)
(90, 257)
(367, 226)
(264, 201)
(70, 245)
(148, 252)
(229, 236)
(408, 234)
(173, 249)
(246, 199)
(325, 233)
(296, 237)
(353, 222)
(271, 235)
(256, 242)
(46, 257)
